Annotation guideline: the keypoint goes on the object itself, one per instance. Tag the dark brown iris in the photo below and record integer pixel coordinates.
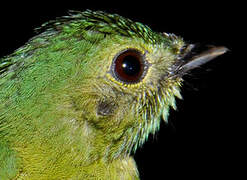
(129, 66)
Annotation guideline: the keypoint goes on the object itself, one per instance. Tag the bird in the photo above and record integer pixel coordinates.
(82, 95)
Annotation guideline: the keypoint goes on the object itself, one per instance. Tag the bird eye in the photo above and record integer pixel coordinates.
(129, 66)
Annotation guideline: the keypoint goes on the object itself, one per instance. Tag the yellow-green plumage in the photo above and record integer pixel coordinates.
(63, 113)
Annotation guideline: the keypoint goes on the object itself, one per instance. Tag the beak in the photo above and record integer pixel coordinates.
(189, 60)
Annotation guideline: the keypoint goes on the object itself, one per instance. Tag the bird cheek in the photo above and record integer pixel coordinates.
(105, 108)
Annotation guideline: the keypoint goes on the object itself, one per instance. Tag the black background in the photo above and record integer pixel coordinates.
(204, 138)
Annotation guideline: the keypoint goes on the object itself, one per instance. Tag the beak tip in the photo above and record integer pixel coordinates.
(217, 51)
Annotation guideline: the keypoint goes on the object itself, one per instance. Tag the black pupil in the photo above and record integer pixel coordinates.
(131, 65)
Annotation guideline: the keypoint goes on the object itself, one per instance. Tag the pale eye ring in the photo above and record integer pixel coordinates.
(129, 66)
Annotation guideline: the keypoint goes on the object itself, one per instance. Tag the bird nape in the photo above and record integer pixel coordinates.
(85, 92)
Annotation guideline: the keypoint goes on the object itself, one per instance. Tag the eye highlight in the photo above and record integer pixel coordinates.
(129, 66)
